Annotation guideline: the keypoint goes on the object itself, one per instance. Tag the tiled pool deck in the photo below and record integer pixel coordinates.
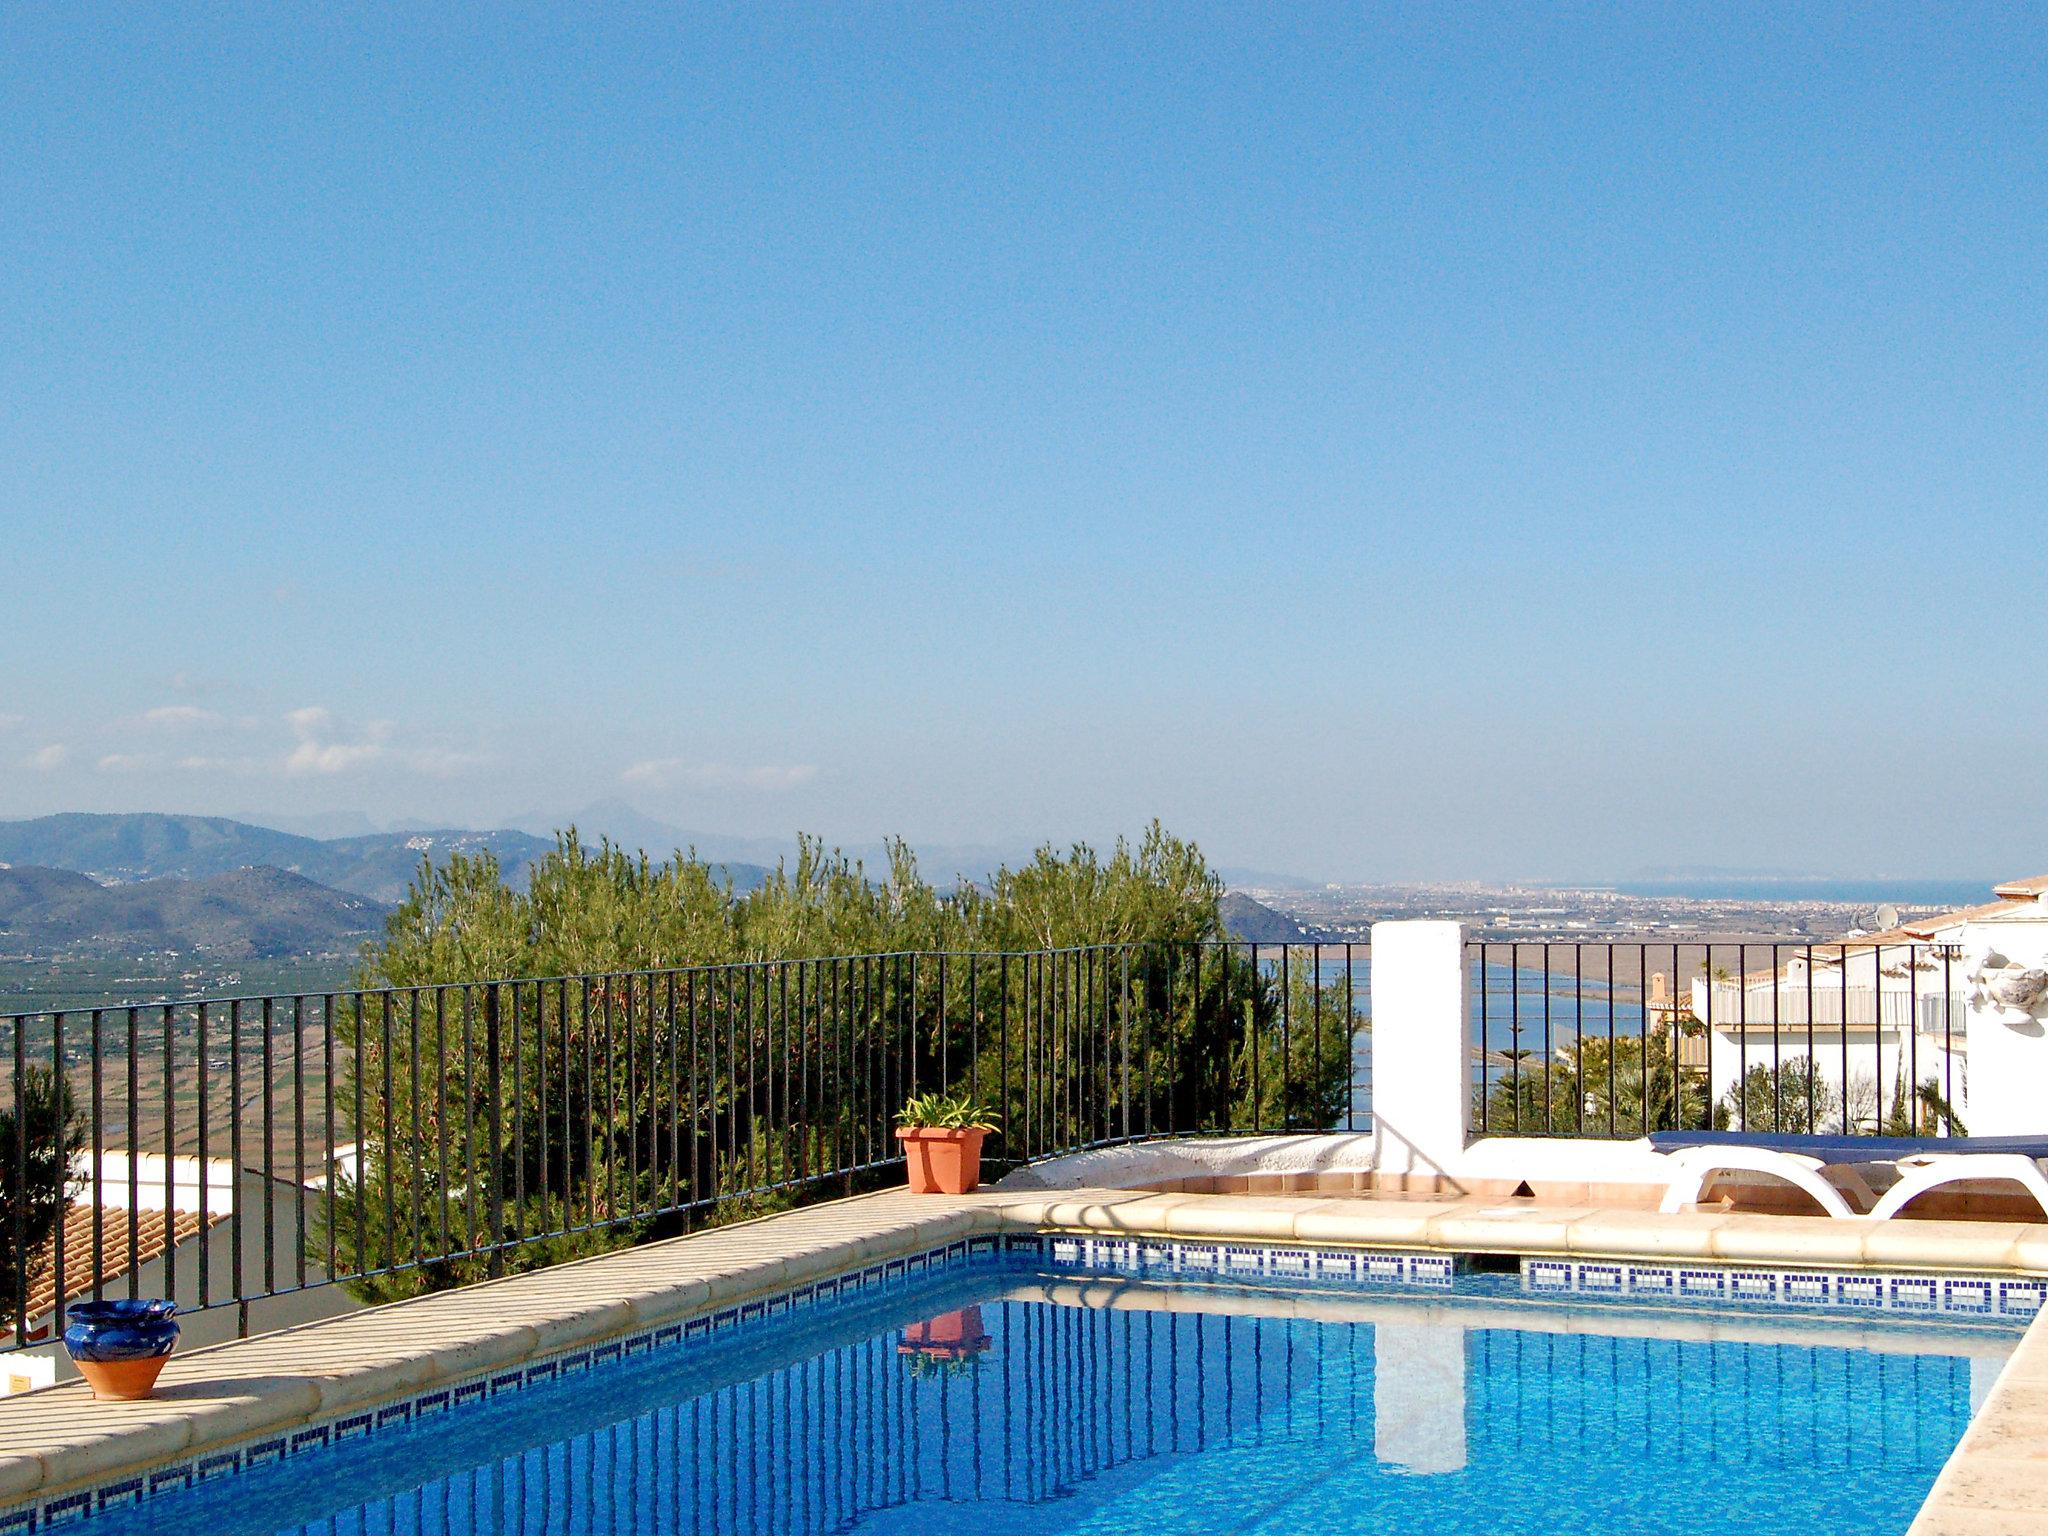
(283, 1386)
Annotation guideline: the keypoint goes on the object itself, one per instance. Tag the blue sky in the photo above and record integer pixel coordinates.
(1382, 442)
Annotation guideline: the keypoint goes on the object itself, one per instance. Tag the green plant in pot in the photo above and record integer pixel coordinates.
(941, 1135)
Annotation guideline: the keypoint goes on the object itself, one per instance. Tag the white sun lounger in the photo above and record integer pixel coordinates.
(1931, 1170)
(1831, 1170)
(1831, 1186)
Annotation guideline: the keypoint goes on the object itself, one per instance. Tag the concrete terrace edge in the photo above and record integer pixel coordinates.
(59, 1439)
(1995, 1482)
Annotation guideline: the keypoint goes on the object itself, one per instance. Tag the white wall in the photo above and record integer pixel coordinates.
(2008, 1048)
(186, 1175)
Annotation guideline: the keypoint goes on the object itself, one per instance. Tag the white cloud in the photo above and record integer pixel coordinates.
(11, 722)
(660, 772)
(47, 759)
(126, 762)
(331, 757)
(316, 755)
(179, 716)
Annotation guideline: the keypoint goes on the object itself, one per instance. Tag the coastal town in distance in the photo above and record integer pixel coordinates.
(1346, 913)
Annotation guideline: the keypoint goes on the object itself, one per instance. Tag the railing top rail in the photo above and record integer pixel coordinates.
(344, 994)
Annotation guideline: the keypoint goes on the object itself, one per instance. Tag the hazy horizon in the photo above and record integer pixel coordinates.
(944, 861)
(1384, 446)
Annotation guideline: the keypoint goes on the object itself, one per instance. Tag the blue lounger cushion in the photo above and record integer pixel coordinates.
(1850, 1149)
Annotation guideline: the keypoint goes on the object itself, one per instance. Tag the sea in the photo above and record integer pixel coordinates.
(1902, 892)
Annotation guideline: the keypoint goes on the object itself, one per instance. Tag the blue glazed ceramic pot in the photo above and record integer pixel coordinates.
(138, 1329)
(120, 1346)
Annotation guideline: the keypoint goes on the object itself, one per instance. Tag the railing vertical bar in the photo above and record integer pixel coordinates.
(753, 1077)
(1549, 1115)
(21, 1179)
(608, 1139)
(1812, 1054)
(1124, 1033)
(674, 1032)
(1316, 1016)
(358, 1178)
(299, 1140)
(1876, 1033)
(543, 1190)
(1913, 1105)
(1948, 1039)
(415, 1174)
(60, 1087)
(518, 1111)
(1485, 1046)
(443, 1184)
(1579, 1027)
(1286, 1036)
(1643, 1006)
(696, 1100)
(1677, 1048)
(1515, 1029)
(267, 1068)
(1351, 1041)
(629, 1126)
(134, 1133)
(1843, 952)
(389, 1147)
(495, 1119)
(99, 1188)
(1777, 1042)
(1741, 1030)
(591, 1143)
(205, 1174)
(840, 1023)
(331, 1164)
(714, 1179)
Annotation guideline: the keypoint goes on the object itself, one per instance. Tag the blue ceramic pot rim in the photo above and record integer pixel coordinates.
(130, 1310)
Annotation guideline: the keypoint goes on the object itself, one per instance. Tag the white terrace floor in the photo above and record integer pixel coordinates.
(60, 1438)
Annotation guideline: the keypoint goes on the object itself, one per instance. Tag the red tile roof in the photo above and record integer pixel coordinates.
(78, 1249)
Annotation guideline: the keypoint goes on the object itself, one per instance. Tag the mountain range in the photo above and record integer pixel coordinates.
(153, 846)
(148, 880)
(242, 914)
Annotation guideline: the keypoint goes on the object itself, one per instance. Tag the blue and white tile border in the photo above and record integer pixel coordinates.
(1857, 1291)
(1151, 1258)
(1158, 1258)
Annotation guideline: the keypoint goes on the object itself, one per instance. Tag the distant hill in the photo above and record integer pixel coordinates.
(242, 914)
(149, 845)
(1244, 918)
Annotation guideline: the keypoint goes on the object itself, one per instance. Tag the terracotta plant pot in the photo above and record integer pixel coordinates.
(942, 1162)
(120, 1347)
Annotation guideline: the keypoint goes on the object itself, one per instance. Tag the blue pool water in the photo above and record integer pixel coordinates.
(1015, 1398)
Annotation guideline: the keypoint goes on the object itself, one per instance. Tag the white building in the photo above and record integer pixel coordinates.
(1883, 1017)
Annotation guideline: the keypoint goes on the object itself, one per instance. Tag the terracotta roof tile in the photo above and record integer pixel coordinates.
(78, 1248)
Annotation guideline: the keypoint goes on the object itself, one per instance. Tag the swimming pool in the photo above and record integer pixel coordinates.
(1019, 1394)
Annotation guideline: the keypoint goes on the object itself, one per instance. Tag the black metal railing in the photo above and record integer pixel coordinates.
(238, 1150)
(1850, 1037)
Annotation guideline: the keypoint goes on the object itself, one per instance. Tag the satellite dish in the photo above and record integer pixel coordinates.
(1887, 918)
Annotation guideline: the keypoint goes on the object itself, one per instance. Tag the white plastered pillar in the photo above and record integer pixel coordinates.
(1421, 1088)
